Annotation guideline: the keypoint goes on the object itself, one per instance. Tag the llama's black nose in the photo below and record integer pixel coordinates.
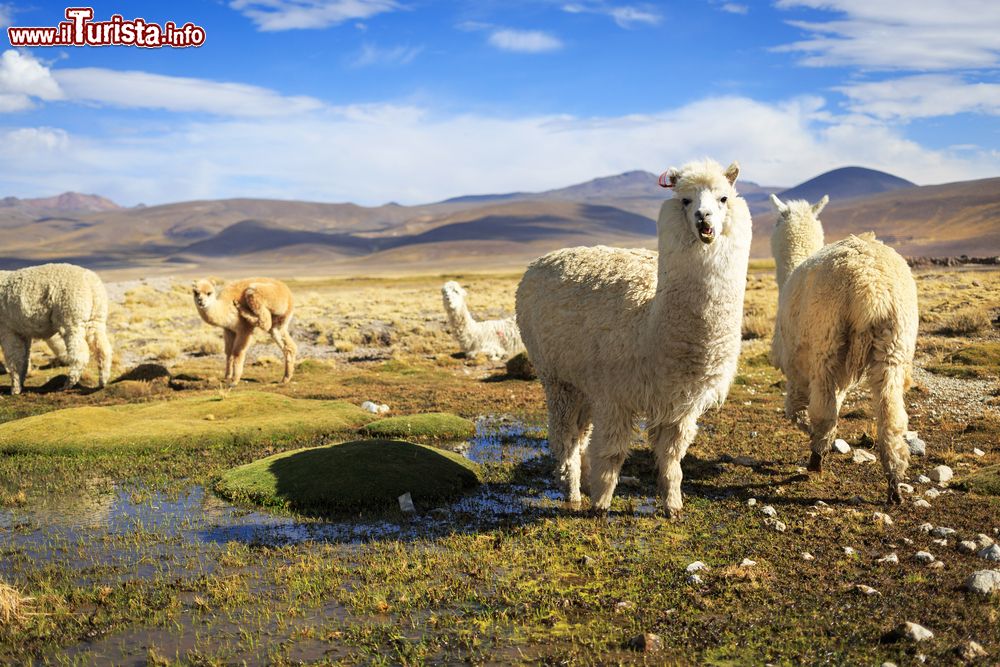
(700, 215)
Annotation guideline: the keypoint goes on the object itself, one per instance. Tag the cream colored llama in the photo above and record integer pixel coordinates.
(241, 306)
(845, 311)
(54, 300)
(494, 339)
(616, 334)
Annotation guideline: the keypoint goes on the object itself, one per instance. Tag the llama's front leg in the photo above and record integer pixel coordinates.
(608, 448)
(240, 346)
(16, 354)
(78, 352)
(228, 340)
(822, 421)
(670, 443)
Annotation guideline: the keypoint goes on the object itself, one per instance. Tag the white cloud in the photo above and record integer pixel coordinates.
(735, 8)
(274, 15)
(923, 96)
(888, 35)
(6, 14)
(376, 153)
(371, 54)
(173, 93)
(626, 16)
(22, 78)
(524, 41)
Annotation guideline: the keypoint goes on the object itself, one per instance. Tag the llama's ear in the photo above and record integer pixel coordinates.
(668, 179)
(779, 205)
(820, 205)
(733, 172)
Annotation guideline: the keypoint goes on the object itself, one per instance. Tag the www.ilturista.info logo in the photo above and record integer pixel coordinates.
(80, 30)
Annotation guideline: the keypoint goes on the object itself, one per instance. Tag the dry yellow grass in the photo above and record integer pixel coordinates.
(13, 605)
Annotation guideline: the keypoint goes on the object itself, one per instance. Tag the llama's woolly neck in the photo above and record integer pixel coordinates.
(460, 319)
(797, 237)
(219, 313)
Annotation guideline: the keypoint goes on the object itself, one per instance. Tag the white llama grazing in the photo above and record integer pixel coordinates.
(43, 301)
(844, 310)
(615, 334)
(494, 339)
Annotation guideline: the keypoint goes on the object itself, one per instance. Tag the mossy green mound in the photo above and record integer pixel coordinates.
(364, 474)
(981, 360)
(426, 426)
(243, 417)
(985, 481)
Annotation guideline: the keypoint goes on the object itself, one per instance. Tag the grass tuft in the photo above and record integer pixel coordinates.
(981, 360)
(427, 426)
(985, 481)
(363, 474)
(13, 605)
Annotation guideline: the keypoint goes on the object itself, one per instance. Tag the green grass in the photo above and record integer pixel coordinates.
(241, 417)
(981, 360)
(427, 426)
(364, 474)
(985, 481)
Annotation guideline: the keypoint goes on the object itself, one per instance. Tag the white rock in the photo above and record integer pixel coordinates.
(626, 480)
(915, 632)
(368, 406)
(888, 664)
(967, 547)
(890, 559)
(841, 446)
(921, 503)
(864, 456)
(984, 582)
(931, 493)
(925, 527)
(941, 474)
(942, 531)
(905, 488)
(924, 557)
(820, 503)
(936, 565)
(882, 517)
(383, 408)
(970, 651)
(983, 541)
(849, 551)
(695, 567)
(978, 452)
(694, 579)
(940, 542)
(866, 590)
(751, 502)
(746, 562)
(907, 540)
(916, 446)
(991, 553)
(923, 479)
(625, 605)
(767, 510)
(807, 556)
(778, 526)
(406, 503)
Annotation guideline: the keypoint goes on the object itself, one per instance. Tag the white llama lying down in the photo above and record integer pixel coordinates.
(49, 300)
(615, 334)
(493, 339)
(844, 310)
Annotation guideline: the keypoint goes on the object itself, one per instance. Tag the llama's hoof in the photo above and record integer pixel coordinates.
(815, 463)
(895, 498)
(674, 515)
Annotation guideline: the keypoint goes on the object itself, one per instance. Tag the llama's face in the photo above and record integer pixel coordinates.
(204, 293)
(453, 294)
(797, 217)
(704, 195)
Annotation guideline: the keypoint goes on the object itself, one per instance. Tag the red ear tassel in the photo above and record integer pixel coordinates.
(665, 180)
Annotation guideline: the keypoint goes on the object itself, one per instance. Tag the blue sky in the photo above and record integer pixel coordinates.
(417, 100)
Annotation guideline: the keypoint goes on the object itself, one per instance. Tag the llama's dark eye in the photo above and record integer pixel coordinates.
(724, 200)
(685, 202)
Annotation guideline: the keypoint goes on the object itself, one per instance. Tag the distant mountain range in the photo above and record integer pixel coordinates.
(485, 231)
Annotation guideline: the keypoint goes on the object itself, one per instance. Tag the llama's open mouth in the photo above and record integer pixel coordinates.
(706, 233)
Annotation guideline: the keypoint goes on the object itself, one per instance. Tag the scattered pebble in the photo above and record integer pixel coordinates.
(626, 480)
(967, 547)
(807, 556)
(767, 510)
(864, 456)
(942, 531)
(936, 565)
(984, 582)
(746, 562)
(931, 493)
(375, 408)
(983, 541)
(647, 642)
(941, 542)
(849, 551)
(625, 605)
(978, 452)
(921, 503)
(991, 553)
(891, 559)
(587, 562)
(941, 474)
(905, 488)
(917, 446)
(924, 556)
(925, 527)
(841, 446)
(866, 590)
(911, 631)
(907, 540)
(970, 651)
(923, 479)
(751, 502)
(694, 579)
(406, 503)
(695, 567)
(778, 526)
(882, 517)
